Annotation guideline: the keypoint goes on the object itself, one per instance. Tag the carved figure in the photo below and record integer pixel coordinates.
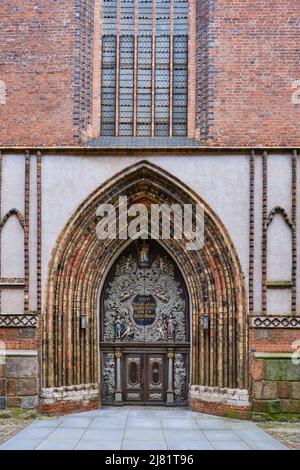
(118, 328)
(128, 331)
(170, 328)
(144, 254)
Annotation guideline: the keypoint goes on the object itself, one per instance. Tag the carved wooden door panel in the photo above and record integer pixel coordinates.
(144, 377)
(134, 377)
(155, 385)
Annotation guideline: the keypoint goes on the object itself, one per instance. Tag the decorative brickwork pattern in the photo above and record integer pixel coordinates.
(204, 68)
(39, 234)
(26, 232)
(213, 276)
(83, 77)
(294, 232)
(264, 248)
(251, 227)
(275, 322)
(10, 213)
(18, 320)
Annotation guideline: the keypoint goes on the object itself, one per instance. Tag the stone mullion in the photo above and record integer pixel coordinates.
(192, 59)
(153, 68)
(135, 66)
(171, 61)
(294, 233)
(118, 70)
(97, 69)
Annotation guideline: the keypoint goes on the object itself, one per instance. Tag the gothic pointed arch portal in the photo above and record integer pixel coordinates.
(71, 371)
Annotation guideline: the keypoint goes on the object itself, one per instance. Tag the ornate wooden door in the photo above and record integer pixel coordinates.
(144, 315)
(144, 378)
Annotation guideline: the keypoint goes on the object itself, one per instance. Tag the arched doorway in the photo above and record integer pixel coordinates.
(80, 265)
(144, 329)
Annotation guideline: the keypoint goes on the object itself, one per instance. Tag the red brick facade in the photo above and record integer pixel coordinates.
(37, 66)
(247, 66)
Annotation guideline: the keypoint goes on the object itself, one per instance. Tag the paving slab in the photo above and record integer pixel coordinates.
(142, 428)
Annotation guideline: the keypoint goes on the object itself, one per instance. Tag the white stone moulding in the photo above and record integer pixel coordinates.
(231, 396)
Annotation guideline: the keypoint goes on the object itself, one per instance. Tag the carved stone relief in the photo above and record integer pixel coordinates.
(109, 376)
(144, 303)
(179, 378)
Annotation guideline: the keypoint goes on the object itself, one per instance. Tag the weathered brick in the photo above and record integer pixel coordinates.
(294, 406)
(247, 78)
(22, 367)
(284, 389)
(2, 387)
(281, 369)
(295, 386)
(29, 402)
(257, 369)
(257, 390)
(2, 403)
(269, 390)
(285, 406)
(13, 402)
(26, 387)
(11, 387)
(259, 406)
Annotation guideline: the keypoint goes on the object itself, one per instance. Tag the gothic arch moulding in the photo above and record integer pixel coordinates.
(81, 261)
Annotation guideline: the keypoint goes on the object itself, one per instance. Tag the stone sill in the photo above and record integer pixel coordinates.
(273, 355)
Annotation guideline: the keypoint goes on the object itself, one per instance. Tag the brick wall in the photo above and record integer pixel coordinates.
(248, 51)
(37, 66)
(256, 59)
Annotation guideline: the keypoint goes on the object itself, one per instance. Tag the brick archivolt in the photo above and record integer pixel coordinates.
(81, 261)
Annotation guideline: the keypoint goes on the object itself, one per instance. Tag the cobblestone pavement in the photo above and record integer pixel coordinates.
(287, 433)
(11, 426)
(133, 428)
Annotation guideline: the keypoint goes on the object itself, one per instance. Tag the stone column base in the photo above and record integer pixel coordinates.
(231, 403)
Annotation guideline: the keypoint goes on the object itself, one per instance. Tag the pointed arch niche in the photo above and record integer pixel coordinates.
(280, 232)
(80, 264)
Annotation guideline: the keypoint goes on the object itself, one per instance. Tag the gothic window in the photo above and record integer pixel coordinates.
(144, 68)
